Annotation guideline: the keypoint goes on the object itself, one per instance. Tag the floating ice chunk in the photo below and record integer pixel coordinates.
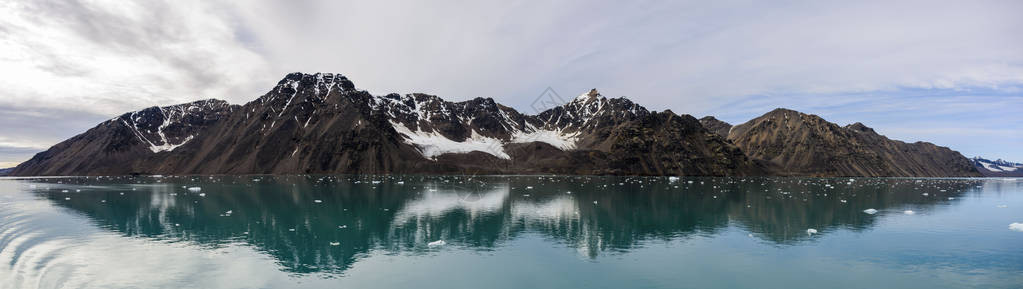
(194, 189)
(909, 212)
(1018, 227)
(810, 232)
(317, 201)
(67, 199)
(229, 212)
(437, 243)
(342, 227)
(64, 191)
(291, 230)
(529, 187)
(951, 198)
(202, 194)
(843, 201)
(335, 243)
(870, 211)
(925, 194)
(672, 179)
(594, 202)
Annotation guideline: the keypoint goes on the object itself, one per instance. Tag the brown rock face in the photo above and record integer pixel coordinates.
(716, 126)
(794, 143)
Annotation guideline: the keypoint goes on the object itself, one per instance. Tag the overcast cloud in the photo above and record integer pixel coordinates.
(949, 73)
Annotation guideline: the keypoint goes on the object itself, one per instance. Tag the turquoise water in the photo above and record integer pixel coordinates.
(509, 232)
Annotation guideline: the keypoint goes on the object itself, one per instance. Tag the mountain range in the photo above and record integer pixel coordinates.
(321, 124)
(998, 167)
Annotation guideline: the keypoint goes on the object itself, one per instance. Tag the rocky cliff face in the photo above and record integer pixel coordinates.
(794, 143)
(319, 123)
(716, 126)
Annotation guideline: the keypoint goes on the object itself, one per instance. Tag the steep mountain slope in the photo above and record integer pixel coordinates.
(998, 168)
(716, 126)
(319, 123)
(130, 142)
(800, 144)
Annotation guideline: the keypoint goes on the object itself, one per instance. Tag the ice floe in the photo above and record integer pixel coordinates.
(1018, 227)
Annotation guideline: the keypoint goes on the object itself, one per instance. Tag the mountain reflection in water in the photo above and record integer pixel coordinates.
(327, 223)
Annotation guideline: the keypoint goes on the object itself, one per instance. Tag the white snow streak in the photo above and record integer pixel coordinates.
(432, 144)
(557, 139)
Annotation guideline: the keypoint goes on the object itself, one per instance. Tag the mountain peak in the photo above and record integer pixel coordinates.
(716, 126)
(860, 127)
(593, 93)
(318, 80)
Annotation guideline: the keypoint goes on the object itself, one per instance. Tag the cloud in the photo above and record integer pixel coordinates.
(730, 58)
(109, 57)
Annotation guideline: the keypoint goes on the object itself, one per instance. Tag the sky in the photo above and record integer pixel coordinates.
(947, 72)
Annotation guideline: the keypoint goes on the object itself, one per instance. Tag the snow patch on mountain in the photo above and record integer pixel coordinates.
(557, 139)
(998, 165)
(998, 168)
(432, 144)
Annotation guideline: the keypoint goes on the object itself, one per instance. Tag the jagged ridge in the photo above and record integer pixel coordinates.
(319, 123)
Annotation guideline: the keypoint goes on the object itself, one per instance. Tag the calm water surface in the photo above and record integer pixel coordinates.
(509, 232)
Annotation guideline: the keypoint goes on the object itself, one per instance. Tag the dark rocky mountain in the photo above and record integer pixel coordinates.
(5, 171)
(794, 143)
(716, 126)
(320, 123)
(998, 168)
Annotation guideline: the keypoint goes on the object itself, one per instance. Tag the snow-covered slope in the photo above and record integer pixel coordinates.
(999, 167)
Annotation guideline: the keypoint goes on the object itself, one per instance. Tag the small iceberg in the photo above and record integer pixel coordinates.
(317, 201)
(909, 212)
(436, 243)
(870, 211)
(1018, 227)
(672, 179)
(335, 243)
(810, 232)
(194, 189)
